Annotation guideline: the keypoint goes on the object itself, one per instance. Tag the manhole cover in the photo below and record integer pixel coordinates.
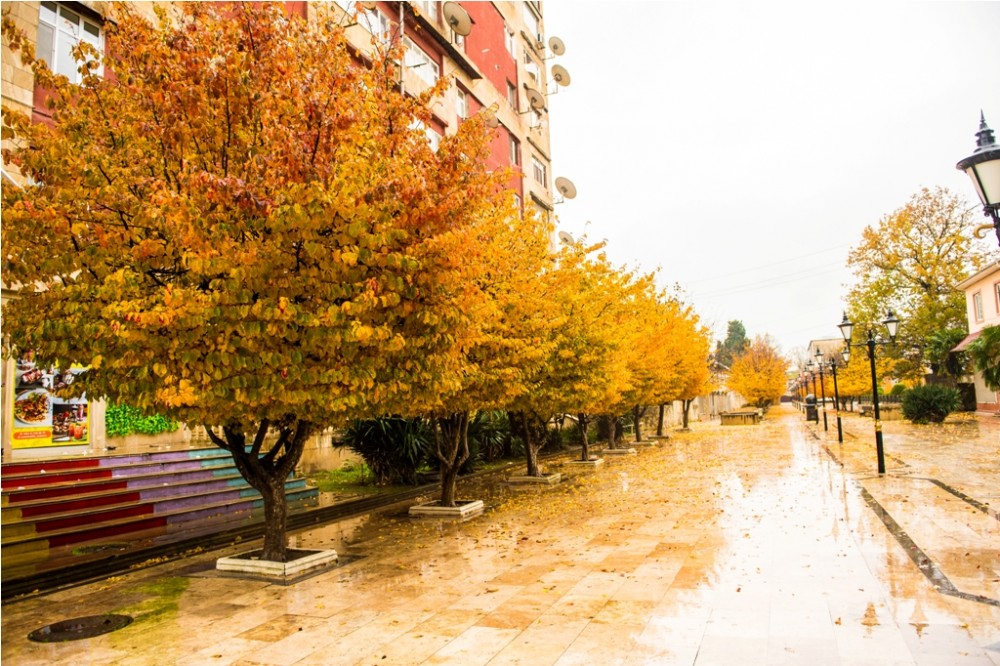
(79, 627)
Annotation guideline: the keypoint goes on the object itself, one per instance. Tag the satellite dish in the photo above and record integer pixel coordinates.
(560, 75)
(566, 238)
(535, 99)
(557, 46)
(456, 16)
(490, 118)
(566, 187)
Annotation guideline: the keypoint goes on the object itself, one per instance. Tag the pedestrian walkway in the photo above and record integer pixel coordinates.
(768, 544)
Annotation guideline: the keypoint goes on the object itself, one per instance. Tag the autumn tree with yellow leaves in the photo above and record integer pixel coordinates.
(759, 373)
(912, 262)
(233, 224)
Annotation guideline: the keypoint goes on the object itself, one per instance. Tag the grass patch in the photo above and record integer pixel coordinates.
(350, 479)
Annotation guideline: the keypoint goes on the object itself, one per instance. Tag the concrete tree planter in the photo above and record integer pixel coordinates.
(546, 480)
(619, 452)
(646, 443)
(300, 563)
(463, 510)
(586, 464)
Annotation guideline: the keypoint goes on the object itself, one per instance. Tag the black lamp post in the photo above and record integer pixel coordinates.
(836, 393)
(822, 389)
(983, 167)
(891, 323)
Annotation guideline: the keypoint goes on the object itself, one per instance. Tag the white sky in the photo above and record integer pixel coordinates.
(742, 147)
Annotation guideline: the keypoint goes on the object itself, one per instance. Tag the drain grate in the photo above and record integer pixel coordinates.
(79, 628)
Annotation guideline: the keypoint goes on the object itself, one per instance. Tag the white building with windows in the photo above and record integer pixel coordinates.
(982, 297)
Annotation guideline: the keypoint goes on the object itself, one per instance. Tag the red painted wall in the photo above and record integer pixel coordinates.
(485, 46)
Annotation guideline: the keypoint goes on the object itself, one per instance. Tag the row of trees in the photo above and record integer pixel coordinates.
(233, 224)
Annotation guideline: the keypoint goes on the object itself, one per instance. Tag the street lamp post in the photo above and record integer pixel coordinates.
(891, 323)
(836, 394)
(822, 389)
(983, 167)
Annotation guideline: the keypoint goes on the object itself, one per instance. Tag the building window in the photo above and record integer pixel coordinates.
(512, 94)
(531, 67)
(539, 171)
(461, 103)
(418, 60)
(59, 31)
(996, 290)
(977, 305)
(376, 23)
(508, 40)
(531, 21)
(515, 150)
(429, 9)
(517, 201)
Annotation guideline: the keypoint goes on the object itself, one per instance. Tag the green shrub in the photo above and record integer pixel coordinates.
(121, 420)
(898, 389)
(394, 448)
(929, 404)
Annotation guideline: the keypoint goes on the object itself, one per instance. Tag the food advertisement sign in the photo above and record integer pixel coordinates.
(42, 418)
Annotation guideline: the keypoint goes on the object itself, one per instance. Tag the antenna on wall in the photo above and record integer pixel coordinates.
(536, 102)
(456, 17)
(561, 77)
(566, 188)
(565, 238)
(557, 46)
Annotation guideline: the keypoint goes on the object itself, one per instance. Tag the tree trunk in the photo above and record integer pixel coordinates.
(659, 421)
(610, 424)
(534, 431)
(637, 413)
(583, 422)
(684, 418)
(451, 439)
(266, 470)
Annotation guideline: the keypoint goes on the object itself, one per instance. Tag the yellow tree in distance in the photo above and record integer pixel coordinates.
(759, 373)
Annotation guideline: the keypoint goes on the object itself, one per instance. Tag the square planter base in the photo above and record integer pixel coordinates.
(646, 442)
(303, 563)
(547, 480)
(619, 452)
(593, 462)
(463, 510)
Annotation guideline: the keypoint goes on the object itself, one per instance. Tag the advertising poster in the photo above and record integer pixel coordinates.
(43, 419)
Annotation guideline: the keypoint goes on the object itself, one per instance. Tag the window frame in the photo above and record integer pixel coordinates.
(413, 51)
(56, 25)
(539, 168)
(977, 306)
(513, 149)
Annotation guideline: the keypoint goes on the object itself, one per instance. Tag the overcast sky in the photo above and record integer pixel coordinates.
(742, 147)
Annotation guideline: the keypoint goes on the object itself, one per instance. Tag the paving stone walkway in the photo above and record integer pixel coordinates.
(769, 544)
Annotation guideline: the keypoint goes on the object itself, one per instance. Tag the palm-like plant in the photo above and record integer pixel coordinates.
(985, 353)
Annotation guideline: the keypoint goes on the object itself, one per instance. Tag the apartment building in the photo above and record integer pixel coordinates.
(495, 54)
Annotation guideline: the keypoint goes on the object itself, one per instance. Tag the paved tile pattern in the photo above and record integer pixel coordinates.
(736, 545)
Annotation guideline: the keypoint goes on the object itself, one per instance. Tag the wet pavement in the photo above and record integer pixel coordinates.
(768, 544)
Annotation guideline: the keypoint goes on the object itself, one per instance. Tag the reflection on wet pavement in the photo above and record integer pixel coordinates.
(746, 545)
